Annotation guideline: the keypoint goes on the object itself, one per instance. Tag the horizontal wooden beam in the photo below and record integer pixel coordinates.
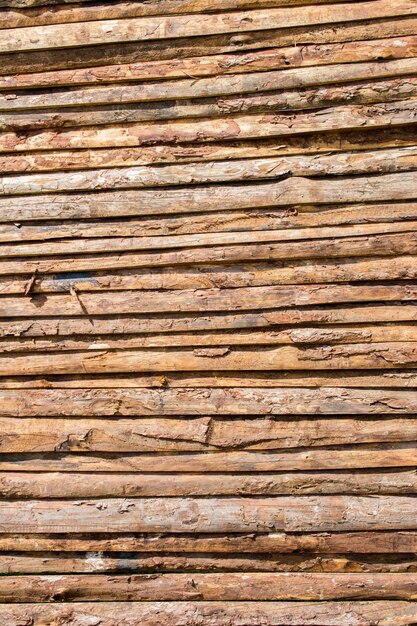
(149, 50)
(224, 64)
(345, 164)
(206, 277)
(115, 31)
(147, 563)
(226, 587)
(377, 542)
(354, 93)
(223, 85)
(47, 486)
(202, 301)
(216, 613)
(314, 143)
(238, 221)
(285, 513)
(182, 200)
(316, 336)
(238, 127)
(204, 401)
(365, 379)
(197, 434)
(23, 13)
(340, 458)
(128, 324)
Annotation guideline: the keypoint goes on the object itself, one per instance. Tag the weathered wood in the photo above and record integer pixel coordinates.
(284, 193)
(122, 324)
(198, 434)
(26, 485)
(258, 60)
(339, 356)
(136, 402)
(351, 378)
(345, 458)
(97, 562)
(371, 246)
(114, 31)
(127, 244)
(224, 64)
(205, 277)
(225, 587)
(200, 301)
(165, 153)
(276, 336)
(270, 102)
(356, 542)
(217, 222)
(273, 102)
(346, 117)
(214, 374)
(285, 513)
(380, 162)
(235, 84)
(216, 613)
(275, 543)
(149, 50)
(15, 17)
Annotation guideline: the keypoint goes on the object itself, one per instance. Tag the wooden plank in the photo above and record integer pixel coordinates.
(257, 219)
(114, 31)
(284, 193)
(127, 244)
(372, 246)
(224, 64)
(345, 458)
(405, 378)
(226, 587)
(389, 90)
(346, 117)
(317, 336)
(217, 613)
(15, 17)
(379, 162)
(197, 434)
(378, 542)
(339, 356)
(96, 563)
(235, 84)
(285, 513)
(149, 50)
(333, 141)
(50, 486)
(253, 401)
(124, 324)
(202, 301)
(205, 277)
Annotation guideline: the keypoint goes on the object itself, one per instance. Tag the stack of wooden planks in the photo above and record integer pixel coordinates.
(208, 300)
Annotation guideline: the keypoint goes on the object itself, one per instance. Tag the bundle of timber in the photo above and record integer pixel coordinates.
(208, 301)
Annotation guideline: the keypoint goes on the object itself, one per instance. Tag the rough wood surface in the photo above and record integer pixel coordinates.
(282, 514)
(208, 313)
(358, 543)
(224, 64)
(113, 31)
(381, 613)
(99, 563)
(225, 587)
(367, 482)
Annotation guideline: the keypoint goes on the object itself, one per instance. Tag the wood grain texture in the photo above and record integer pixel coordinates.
(208, 313)
(382, 613)
(224, 587)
